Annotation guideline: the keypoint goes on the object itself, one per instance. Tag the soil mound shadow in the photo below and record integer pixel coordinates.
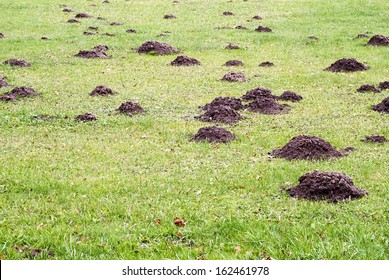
(3, 82)
(367, 88)
(220, 114)
(382, 107)
(378, 40)
(263, 29)
(96, 52)
(102, 90)
(268, 106)
(233, 102)
(159, 48)
(87, 117)
(331, 186)
(213, 134)
(375, 139)
(258, 92)
(234, 77)
(290, 96)
(308, 148)
(130, 108)
(17, 62)
(233, 63)
(346, 65)
(384, 85)
(19, 92)
(266, 64)
(184, 61)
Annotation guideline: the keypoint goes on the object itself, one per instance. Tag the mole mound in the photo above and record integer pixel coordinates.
(258, 93)
(82, 15)
(290, 96)
(367, 88)
(266, 64)
(241, 27)
(257, 17)
(159, 48)
(72, 20)
(233, 102)
(213, 134)
(96, 52)
(375, 139)
(330, 186)
(228, 13)
(130, 108)
(130, 31)
(184, 61)
(233, 63)
(17, 63)
(169, 16)
(268, 106)
(93, 28)
(384, 85)
(19, 92)
(307, 147)
(263, 29)
(346, 65)
(234, 77)
(232, 47)
(68, 10)
(2, 35)
(3, 82)
(378, 40)
(102, 90)
(87, 117)
(89, 33)
(115, 23)
(220, 114)
(382, 107)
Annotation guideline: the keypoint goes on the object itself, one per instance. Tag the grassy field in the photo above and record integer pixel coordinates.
(111, 189)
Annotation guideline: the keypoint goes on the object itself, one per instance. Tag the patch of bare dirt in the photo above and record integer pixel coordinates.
(3, 82)
(89, 33)
(82, 15)
(220, 114)
(102, 90)
(87, 117)
(184, 61)
(19, 92)
(213, 134)
(130, 31)
(384, 85)
(266, 64)
(233, 102)
(258, 92)
(130, 108)
(368, 88)
(346, 65)
(241, 27)
(232, 47)
(72, 20)
(17, 62)
(290, 96)
(158, 48)
(233, 63)
(170, 16)
(375, 139)
(227, 13)
(378, 40)
(257, 17)
(96, 52)
(234, 77)
(382, 107)
(263, 29)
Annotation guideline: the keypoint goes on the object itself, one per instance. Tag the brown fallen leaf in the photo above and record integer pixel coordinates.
(179, 222)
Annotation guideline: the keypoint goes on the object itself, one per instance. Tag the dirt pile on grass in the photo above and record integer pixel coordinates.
(130, 108)
(263, 29)
(17, 62)
(184, 61)
(87, 117)
(258, 92)
(96, 52)
(266, 64)
(68, 10)
(346, 65)
(234, 77)
(227, 13)
(170, 16)
(290, 96)
(19, 92)
(330, 186)
(220, 114)
(82, 15)
(268, 106)
(213, 134)
(102, 90)
(375, 139)
(368, 88)
(159, 48)
(130, 31)
(382, 107)
(232, 47)
(241, 27)
(233, 102)
(378, 40)
(233, 63)
(307, 148)
(384, 85)
(89, 33)
(115, 23)
(3, 82)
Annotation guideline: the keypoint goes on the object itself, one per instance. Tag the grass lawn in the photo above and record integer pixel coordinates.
(110, 189)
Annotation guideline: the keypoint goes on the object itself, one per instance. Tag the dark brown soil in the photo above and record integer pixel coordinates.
(45, 38)
(367, 88)
(290, 96)
(331, 186)
(263, 29)
(360, 36)
(384, 85)
(241, 27)
(185, 61)
(169, 16)
(102, 90)
(378, 40)
(375, 139)
(258, 93)
(308, 148)
(115, 23)
(346, 65)
(228, 13)
(3, 83)
(233, 102)
(87, 117)
(17, 62)
(2, 35)
(233, 63)
(82, 15)
(158, 48)
(93, 28)
(108, 34)
(130, 108)
(267, 106)
(382, 107)
(97, 52)
(72, 20)
(89, 33)
(220, 114)
(232, 47)
(19, 92)
(266, 64)
(257, 17)
(213, 134)
(68, 10)
(131, 31)
(234, 77)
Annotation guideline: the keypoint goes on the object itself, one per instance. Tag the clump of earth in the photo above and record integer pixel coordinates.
(130, 108)
(378, 40)
(72, 20)
(213, 134)
(233, 63)
(346, 65)
(384, 85)
(290, 96)
(268, 106)
(227, 13)
(331, 186)
(184, 61)
(3, 82)
(96, 52)
(241, 27)
(367, 88)
(87, 117)
(233, 102)
(258, 92)
(266, 64)
(89, 33)
(383, 106)
(102, 90)
(307, 148)
(232, 47)
(234, 77)
(82, 15)
(220, 114)
(68, 10)
(170, 16)
(19, 92)
(130, 31)
(2, 35)
(115, 23)
(17, 62)
(375, 139)
(159, 48)
(263, 29)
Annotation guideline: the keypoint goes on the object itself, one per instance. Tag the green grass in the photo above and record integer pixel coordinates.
(95, 190)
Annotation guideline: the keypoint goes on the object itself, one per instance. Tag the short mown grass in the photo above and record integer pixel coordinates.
(111, 189)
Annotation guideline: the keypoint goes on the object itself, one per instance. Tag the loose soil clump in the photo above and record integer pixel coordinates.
(384, 85)
(96, 52)
(130, 31)
(159, 48)
(267, 106)
(213, 134)
(89, 33)
(102, 90)
(263, 29)
(3, 82)
(82, 15)
(233, 63)
(378, 40)
(375, 139)
(169, 16)
(307, 148)
(382, 107)
(19, 92)
(367, 88)
(68, 10)
(346, 65)
(233, 102)
(266, 64)
(241, 27)
(17, 62)
(72, 20)
(234, 77)
(232, 47)
(258, 92)
(290, 96)
(87, 117)
(257, 17)
(220, 114)
(228, 13)
(130, 108)
(331, 186)
(184, 61)
(2, 35)
(115, 23)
